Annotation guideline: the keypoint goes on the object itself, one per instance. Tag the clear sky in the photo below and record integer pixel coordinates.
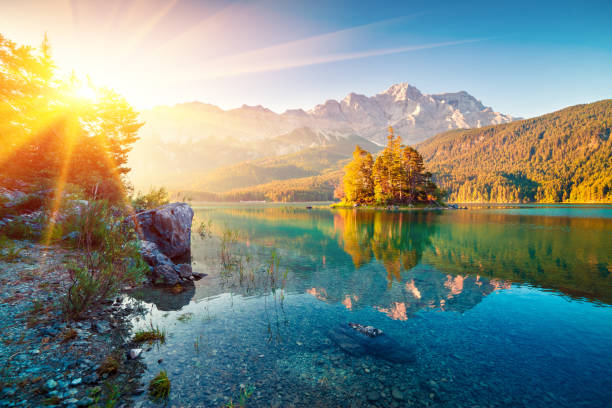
(524, 58)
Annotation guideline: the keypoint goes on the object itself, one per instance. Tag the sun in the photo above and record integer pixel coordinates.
(85, 91)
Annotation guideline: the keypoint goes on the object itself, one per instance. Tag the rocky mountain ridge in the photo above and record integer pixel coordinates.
(194, 138)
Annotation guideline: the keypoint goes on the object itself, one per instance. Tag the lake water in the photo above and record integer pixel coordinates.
(494, 306)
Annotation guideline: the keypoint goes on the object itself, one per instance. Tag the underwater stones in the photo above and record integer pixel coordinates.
(373, 396)
(100, 326)
(85, 402)
(91, 379)
(50, 385)
(358, 344)
(134, 353)
(369, 331)
(397, 394)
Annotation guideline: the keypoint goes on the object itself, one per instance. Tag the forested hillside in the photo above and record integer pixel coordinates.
(314, 188)
(564, 156)
(325, 156)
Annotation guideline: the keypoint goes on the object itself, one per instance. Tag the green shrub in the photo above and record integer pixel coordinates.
(9, 251)
(19, 228)
(153, 199)
(109, 258)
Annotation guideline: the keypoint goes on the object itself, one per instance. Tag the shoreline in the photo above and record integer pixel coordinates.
(50, 360)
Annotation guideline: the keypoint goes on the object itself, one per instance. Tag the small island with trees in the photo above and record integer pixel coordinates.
(396, 178)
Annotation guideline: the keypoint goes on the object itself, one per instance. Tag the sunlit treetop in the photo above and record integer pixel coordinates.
(61, 129)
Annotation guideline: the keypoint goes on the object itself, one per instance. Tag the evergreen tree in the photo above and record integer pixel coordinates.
(412, 164)
(396, 177)
(358, 183)
(388, 172)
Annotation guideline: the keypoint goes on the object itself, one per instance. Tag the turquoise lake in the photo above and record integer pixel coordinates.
(496, 307)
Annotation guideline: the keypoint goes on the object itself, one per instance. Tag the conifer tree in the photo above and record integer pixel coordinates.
(412, 164)
(396, 177)
(358, 183)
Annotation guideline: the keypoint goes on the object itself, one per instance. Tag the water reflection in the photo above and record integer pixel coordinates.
(420, 288)
(389, 270)
(402, 262)
(165, 299)
(395, 239)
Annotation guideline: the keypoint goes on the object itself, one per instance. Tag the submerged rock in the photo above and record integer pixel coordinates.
(397, 394)
(369, 331)
(358, 343)
(50, 385)
(373, 396)
(85, 402)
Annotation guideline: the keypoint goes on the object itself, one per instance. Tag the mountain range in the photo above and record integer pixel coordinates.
(186, 146)
(563, 156)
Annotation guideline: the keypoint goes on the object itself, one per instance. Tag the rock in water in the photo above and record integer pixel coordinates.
(50, 385)
(165, 234)
(356, 342)
(168, 227)
(369, 331)
(134, 353)
(165, 274)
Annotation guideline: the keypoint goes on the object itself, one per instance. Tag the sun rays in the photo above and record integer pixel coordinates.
(63, 134)
(154, 51)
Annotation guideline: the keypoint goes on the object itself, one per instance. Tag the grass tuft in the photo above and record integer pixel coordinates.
(150, 336)
(159, 387)
(109, 365)
(69, 335)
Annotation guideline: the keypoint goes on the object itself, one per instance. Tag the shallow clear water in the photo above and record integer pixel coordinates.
(499, 307)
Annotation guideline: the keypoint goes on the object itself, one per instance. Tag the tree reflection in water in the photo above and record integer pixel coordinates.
(399, 262)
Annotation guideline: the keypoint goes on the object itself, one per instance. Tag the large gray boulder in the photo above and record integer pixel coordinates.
(165, 235)
(168, 227)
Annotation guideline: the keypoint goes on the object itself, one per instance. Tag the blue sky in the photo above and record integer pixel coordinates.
(522, 58)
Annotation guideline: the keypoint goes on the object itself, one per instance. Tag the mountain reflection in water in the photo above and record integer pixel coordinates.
(478, 308)
(403, 262)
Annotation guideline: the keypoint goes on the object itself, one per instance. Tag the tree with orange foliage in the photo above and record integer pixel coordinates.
(48, 132)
